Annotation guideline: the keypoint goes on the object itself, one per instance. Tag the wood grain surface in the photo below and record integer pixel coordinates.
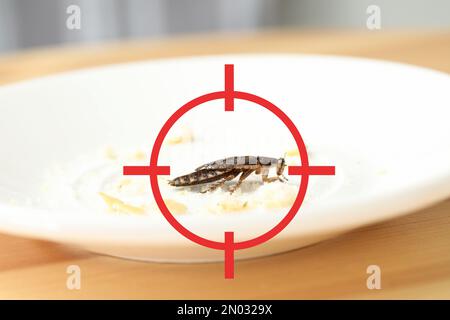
(413, 252)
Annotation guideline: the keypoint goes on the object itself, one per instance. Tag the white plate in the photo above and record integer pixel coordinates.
(383, 125)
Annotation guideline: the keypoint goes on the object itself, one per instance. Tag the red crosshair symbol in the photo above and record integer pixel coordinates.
(229, 245)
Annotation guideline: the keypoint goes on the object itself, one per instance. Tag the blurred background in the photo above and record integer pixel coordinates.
(30, 23)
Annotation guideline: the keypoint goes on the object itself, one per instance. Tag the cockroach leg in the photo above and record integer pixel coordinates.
(213, 186)
(271, 179)
(243, 176)
(265, 177)
(221, 182)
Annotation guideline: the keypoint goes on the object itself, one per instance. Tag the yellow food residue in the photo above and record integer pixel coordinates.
(184, 136)
(230, 205)
(175, 206)
(292, 153)
(139, 155)
(282, 199)
(123, 183)
(110, 153)
(117, 205)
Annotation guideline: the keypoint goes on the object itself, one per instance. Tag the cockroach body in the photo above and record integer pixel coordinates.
(218, 172)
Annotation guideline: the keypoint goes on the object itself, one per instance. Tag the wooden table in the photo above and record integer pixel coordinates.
(413, 252)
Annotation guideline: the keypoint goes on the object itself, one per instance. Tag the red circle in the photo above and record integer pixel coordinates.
(216, 244)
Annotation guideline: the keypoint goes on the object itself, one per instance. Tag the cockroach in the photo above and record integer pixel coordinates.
(216, 173)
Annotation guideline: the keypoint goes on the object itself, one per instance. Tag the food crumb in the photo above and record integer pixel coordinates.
(292, 153)
(139, 155)
(175, 206)
(123, 183)
(117, 205)
(230, 205)
(281, 197)
(183, 136)
(110, 153)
